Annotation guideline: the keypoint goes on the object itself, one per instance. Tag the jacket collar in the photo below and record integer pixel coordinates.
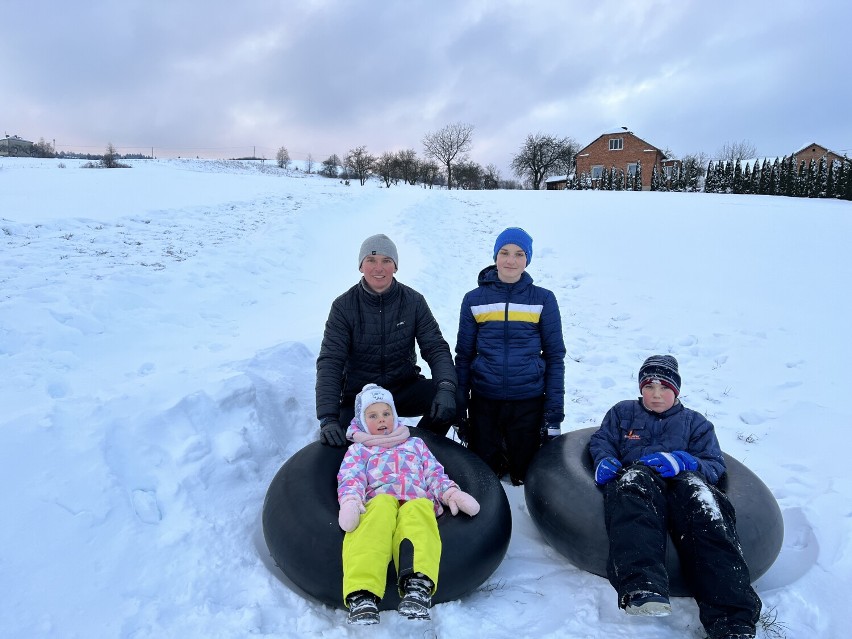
(489, 276)
(674, 410)
(390, 293)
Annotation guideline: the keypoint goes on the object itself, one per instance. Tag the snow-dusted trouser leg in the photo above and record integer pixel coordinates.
(635, 511)
(703, 527)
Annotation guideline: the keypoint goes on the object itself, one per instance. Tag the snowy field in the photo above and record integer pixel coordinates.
(158, 333)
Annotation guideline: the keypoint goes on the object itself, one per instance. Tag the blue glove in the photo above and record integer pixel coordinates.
(607, 470)
(670, 464)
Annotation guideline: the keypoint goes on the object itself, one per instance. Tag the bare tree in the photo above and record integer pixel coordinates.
(42, 149)
(330, 166)
(469, 175)
(386, 166)
(360, 163)
(110, 157)
(309, 163)
(408, 165)
(448, 144)
(733, 152)
(283, 158)
(429, 173)
(542, 156)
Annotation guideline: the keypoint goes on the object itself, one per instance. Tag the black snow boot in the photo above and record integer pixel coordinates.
(416, 596)
(363, 608)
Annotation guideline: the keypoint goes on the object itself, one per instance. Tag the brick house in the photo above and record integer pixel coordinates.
(814, 152)
(624, 151)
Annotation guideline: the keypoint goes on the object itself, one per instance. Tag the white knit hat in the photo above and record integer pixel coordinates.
(369, 395)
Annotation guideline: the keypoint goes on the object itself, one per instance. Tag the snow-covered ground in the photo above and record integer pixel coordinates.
(158, 333)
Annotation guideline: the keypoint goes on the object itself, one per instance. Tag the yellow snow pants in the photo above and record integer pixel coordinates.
(408, 532)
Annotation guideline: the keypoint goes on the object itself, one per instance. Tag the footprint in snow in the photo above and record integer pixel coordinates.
(146, 506)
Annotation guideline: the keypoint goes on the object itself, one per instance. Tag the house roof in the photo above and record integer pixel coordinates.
(812, 144)
(624, 131)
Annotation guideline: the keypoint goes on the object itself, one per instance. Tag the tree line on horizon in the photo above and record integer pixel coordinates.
(447, 163)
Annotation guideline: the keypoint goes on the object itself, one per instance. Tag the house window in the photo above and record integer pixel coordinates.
(597, 172)
(616, 144)
(631, 169)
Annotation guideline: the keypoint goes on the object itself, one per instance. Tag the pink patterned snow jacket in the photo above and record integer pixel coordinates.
(406, 470)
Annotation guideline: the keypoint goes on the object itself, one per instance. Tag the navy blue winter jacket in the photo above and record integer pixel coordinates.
(630, 431)
(509, 345)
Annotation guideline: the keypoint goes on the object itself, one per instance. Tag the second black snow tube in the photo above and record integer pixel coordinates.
(568, 509)
(302, 535)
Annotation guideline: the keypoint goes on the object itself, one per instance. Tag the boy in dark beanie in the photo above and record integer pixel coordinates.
(658, 462)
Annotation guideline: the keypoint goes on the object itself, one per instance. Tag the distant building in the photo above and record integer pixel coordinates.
(12, 146)
(624, 151)
(815, 152)
(556, 183)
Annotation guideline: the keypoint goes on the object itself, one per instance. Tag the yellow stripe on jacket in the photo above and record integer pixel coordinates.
(497, 313)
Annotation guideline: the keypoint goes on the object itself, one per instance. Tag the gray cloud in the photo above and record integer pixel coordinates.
(219, 78)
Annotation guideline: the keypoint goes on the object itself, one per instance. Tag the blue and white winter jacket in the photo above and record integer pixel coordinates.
(509, 345)
(630, 431)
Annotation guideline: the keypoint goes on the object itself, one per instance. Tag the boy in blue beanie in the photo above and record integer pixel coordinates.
(658, 463)
(510, 361)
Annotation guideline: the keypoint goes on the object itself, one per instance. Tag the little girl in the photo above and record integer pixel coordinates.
(390, 489)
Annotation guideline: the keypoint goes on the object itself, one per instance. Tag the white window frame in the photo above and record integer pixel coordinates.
(632, 168)
(597, 171)
(616, 144)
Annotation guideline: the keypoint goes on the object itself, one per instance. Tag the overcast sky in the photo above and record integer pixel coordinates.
(224, 79)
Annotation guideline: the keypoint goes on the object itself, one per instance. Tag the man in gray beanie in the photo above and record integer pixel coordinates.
(370, 338)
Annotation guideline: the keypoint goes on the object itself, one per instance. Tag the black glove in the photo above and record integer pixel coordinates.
(444, 405)
(550, 431)
(332, 433)
(462, 427)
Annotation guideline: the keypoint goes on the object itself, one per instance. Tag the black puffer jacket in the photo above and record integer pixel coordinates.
(369, 338)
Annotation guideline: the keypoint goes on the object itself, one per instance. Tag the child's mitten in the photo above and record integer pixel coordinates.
(458, 500)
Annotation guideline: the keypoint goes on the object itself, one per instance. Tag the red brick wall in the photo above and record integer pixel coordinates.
(633, 150)
(815, 152)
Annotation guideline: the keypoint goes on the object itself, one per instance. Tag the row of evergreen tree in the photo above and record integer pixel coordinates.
(820, 179)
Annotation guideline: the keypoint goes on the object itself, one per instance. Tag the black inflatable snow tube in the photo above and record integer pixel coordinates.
(302, 535)
(568, 509)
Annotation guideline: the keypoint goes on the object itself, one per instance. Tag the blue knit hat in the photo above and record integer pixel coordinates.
(514, 235)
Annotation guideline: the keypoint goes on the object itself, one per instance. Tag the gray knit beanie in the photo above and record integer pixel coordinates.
(378, 245)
